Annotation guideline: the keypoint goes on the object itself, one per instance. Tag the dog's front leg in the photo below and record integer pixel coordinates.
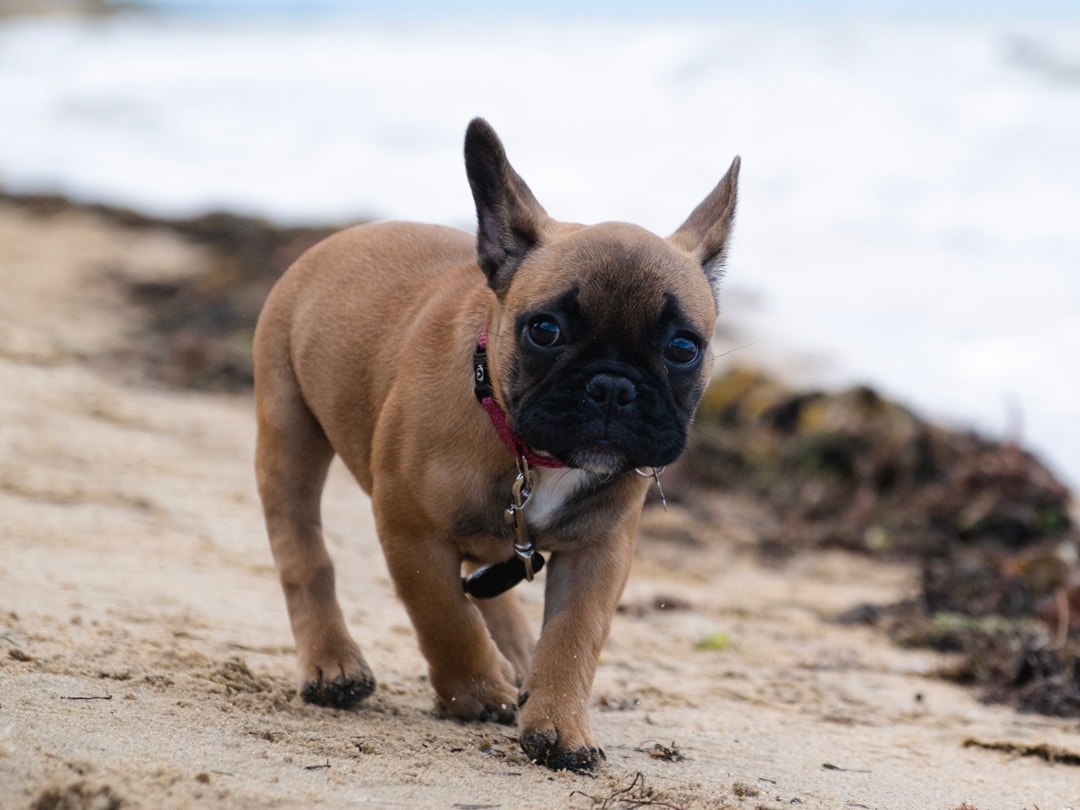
(473, 680)
(583, 590)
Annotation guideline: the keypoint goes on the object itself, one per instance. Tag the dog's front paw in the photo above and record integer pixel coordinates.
(546, 747)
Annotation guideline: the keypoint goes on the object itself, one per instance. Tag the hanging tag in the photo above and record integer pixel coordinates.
(659, 487)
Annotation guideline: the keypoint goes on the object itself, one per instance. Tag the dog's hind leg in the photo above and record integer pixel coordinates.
(292, 457)
(509, 627)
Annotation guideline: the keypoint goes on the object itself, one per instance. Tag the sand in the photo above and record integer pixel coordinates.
(146, 659)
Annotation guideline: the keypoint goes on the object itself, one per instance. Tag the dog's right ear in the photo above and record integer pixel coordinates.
(509, 219)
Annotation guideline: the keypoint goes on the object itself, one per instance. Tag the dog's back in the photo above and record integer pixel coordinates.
(364, 282)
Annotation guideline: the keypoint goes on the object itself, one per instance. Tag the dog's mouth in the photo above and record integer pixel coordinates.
(602, 458)
(611, 455)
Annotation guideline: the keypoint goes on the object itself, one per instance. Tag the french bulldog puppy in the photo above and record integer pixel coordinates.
(500, 396)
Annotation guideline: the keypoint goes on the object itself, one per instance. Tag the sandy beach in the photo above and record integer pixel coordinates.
(146, 659)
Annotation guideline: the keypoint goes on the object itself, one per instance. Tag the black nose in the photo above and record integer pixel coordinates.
(609, 391)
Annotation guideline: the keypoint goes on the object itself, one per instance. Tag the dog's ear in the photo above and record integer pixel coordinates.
(509, 219)
(706, 232)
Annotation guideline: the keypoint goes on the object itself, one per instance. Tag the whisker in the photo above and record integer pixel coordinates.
(737, 349)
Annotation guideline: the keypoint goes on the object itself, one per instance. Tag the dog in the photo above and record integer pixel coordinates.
(500, 396)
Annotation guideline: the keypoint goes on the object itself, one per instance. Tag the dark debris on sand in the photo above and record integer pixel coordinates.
(986, 522)
(198, 331)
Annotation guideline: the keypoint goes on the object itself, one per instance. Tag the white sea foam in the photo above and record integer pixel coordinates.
(910, 193)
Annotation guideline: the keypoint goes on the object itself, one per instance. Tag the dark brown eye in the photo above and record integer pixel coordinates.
(681, 350)
(544, 332)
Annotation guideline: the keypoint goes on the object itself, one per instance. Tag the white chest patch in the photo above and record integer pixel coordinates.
(552, 488)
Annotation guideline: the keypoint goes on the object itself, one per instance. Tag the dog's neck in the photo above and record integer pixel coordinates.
(552, 490)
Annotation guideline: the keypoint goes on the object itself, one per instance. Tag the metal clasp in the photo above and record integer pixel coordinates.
(521, 492)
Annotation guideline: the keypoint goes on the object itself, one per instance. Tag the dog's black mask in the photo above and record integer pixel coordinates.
(607, 388)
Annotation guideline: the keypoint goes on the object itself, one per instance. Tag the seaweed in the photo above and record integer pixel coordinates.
(986, 522)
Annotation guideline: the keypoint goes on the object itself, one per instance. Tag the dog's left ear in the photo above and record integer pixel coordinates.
(706, 232)
(509, 219)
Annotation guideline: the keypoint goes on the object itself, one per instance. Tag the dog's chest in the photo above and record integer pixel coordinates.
(553, 491)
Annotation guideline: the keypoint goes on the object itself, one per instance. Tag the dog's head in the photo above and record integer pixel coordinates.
(600, 339)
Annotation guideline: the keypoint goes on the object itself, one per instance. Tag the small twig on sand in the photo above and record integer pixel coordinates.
(86, 697)
(626, 800)
(659, 751)
(830, 767)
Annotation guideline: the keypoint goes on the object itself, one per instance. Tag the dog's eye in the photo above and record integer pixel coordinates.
(544, 332)
(681, 350)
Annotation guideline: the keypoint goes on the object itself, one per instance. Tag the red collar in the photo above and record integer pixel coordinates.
(482, 388)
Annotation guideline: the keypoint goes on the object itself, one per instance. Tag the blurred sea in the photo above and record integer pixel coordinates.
(910, 197)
